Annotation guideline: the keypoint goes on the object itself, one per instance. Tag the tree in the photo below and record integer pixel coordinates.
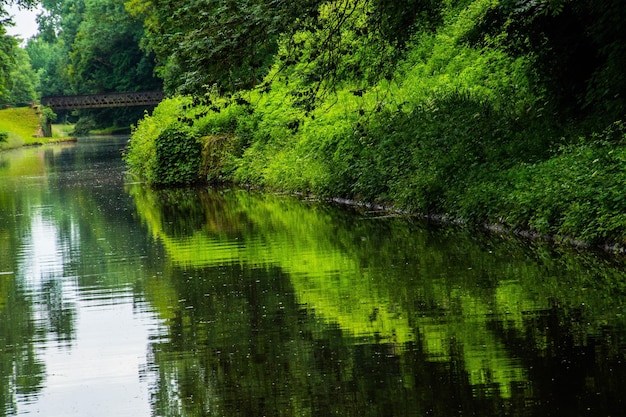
(231, 44)
(17, 79)
(579, 50)
(23, 79)
(105, 54)
(7, 45)
(48, 60)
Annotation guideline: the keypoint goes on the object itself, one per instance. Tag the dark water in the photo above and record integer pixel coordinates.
(116, 300)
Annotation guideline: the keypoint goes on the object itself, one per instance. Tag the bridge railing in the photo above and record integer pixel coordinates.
(94, 101)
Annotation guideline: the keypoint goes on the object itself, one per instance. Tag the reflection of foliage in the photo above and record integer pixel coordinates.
(229, 316)
(321, 275)
(21, 370)
(379, 281)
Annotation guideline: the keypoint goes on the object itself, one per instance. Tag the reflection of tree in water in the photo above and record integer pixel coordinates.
(240, 345)
(78, 199)
(59, 315)
(296, 309)
(21, 370)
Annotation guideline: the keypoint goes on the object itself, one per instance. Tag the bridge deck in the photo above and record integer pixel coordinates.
(95, 101)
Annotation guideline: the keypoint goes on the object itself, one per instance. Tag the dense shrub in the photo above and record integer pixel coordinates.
(578, 193)
(182, 142)
(141, 154)
(178, 156)
(84, 126)
(218, 157)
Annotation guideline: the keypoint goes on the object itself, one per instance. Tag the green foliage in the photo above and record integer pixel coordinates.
(4, 136)
(200, 43)
(17, 79)
(7, 44)
(578, 192)
(165, 149)
(105, 54)
(459, 115)
(48, 61)
(22, 79)
(233, 44)
(178, 156)
(141, 155)
(578, 47)
(451, 113)
(84, 126)
(49, 51)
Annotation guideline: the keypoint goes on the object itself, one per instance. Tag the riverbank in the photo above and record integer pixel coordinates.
(465, 126)
(22, 124)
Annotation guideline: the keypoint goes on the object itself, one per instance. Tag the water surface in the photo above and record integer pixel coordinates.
(117, 300)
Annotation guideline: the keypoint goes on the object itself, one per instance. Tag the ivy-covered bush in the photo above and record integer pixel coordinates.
(178, 156)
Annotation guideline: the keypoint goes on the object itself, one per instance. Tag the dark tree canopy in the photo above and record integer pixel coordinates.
(579, 48)
(232, 45)
(201, 43)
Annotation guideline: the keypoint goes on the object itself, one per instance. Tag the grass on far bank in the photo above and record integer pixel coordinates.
(22, 124)
(62, 131)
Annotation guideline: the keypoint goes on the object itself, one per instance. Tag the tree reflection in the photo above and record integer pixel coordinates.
(240, 345)
(60, 315)
(278, 307)
(21, 368)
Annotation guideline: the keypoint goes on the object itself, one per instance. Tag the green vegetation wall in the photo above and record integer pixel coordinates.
(461, 109)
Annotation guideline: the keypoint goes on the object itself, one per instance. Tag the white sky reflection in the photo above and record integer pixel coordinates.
(99, 372)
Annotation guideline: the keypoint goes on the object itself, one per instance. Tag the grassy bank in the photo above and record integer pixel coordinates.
(21, 125)
(62, 131)
(468, 124)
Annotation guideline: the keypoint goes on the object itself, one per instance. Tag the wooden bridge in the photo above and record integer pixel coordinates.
(98, 101)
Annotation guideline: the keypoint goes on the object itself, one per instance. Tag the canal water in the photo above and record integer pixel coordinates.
(118, 300)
